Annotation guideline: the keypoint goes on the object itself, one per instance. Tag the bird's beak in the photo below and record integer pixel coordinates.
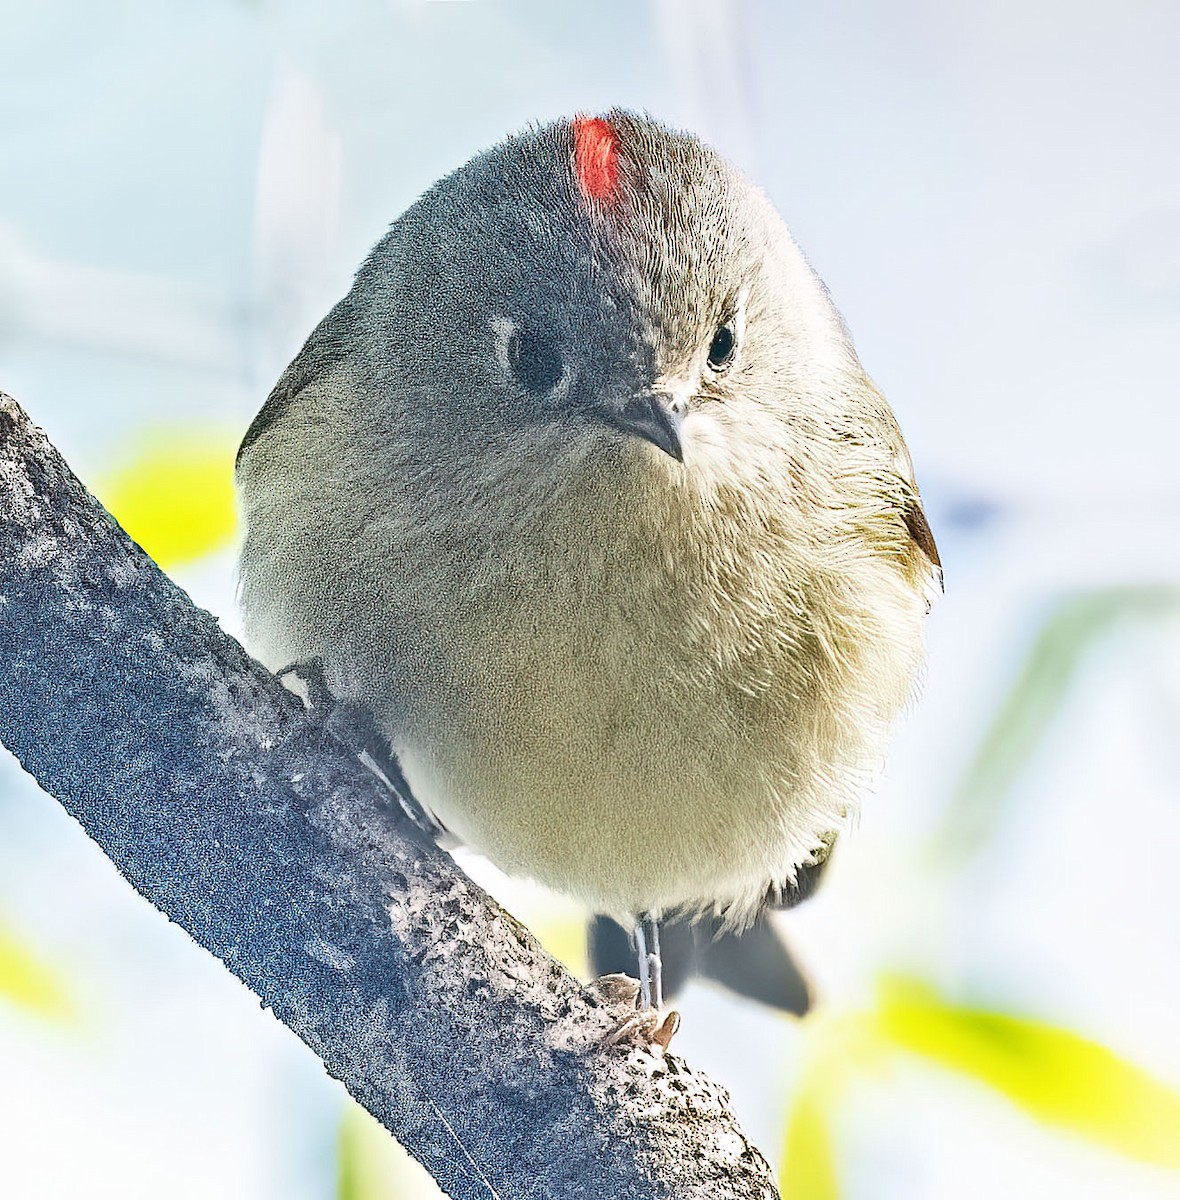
(654, 418)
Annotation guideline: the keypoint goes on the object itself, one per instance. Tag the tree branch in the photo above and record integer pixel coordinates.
(231, 809)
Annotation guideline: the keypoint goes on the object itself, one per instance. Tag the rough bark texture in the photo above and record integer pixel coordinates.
(231, 809)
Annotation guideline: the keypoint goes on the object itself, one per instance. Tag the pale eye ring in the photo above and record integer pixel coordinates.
(723, 346)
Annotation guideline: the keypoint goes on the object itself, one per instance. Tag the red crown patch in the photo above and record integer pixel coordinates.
(596, 157)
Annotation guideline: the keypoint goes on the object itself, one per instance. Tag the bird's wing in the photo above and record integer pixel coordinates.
(329, 343)
(914, 516)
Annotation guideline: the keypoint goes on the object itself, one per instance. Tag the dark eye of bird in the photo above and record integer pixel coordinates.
(535, 361)
(721, 348)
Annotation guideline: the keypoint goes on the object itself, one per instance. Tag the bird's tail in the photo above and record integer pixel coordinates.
(755, 962)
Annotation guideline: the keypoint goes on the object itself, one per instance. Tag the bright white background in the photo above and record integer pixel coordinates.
(991, 192)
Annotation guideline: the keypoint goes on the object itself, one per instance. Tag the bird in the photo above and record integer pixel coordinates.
(583, 495)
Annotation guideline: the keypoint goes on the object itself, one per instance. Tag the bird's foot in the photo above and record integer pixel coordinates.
(650, 1028)
(352, 725)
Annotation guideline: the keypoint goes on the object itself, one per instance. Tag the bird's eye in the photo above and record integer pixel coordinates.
(535, 361)
(722, 346)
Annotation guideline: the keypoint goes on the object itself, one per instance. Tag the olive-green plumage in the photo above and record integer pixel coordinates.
(635, 614)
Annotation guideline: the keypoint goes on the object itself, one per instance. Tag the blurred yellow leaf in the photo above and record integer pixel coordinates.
(371, 1165)
(358, 1170)
(175, 495)
(564, 937)
(28, 983)
(838, 1048)
(809, 1163)
(1054, 1075)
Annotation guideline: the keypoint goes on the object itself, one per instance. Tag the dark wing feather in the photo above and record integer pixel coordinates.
(919, 527)
(330, 342)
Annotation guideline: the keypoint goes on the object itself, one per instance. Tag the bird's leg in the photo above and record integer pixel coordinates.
(647, 942)
(639, 938)
(651, 968)
(351, 724)
(650, 1020)
(657, 968)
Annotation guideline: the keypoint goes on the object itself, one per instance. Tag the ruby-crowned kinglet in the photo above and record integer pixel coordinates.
(583, 492)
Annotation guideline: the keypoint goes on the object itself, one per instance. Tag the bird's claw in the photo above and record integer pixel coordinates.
(352, 725)
(648, 1027)
(617, 991)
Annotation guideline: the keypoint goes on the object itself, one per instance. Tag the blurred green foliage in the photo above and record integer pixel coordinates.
(1057, 1077)
(370, 1165)
(809, 1158)
(1026, 715)
(1054, 1075)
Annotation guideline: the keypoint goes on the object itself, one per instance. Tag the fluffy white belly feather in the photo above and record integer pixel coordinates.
(649, 714)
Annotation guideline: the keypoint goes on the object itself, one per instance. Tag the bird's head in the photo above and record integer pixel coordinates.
(602, 285)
